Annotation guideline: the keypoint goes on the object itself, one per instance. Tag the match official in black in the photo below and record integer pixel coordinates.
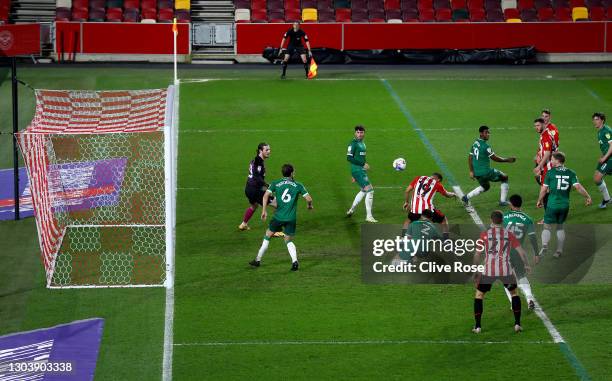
(295, 35)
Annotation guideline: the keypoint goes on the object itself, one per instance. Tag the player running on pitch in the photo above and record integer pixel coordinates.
(356, 156)
(287, 191)
(479, 162)
(295, 35)
(419, 197)
(497, 242)
(550, 127)
(604, 165)
(256, 185)
(558, 183)
(521, 225)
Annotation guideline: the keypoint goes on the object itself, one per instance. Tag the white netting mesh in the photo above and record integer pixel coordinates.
(99, 197)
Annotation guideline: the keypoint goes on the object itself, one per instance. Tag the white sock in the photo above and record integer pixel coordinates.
(560, 240)
(369, 201)
(523, 285)
(545, 237)
(604, 190)
(262, 249)
(357, 200)
(292, 251)
(504, 192)
(509, 295)
(475, 192)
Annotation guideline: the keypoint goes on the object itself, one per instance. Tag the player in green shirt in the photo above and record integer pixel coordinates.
(604, 165)
(479, 162)
(286, 192)
(521, 225)
(421, 229)
(558, 183)
(356, 156)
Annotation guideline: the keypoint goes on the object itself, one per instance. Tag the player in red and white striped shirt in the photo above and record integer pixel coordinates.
(498, 241)
(546, 146)
(423, 189)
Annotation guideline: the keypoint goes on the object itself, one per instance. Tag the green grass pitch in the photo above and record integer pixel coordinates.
(233, 322)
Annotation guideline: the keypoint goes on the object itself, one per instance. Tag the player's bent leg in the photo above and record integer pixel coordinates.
(262, 249)
(598, 177)
(248, 213)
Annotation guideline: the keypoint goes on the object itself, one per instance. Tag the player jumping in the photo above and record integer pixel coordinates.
(423, 189)
(604, 165)
(497, 244)
(480, 168)
(356, 157)
(256, 185)
(521, 225)
(558, 183)
(286, 191)
(295, 36)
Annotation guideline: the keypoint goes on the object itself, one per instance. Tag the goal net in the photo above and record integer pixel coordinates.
(103, 180)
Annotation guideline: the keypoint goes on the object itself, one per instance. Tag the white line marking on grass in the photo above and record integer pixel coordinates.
(505, 78)
(345, 187)
(354, 342)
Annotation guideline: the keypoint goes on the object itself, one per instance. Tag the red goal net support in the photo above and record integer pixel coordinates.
(102, 176)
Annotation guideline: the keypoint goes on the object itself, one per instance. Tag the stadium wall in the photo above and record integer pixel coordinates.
(554, 37)
(107, 41)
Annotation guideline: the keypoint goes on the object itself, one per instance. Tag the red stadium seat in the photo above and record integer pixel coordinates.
(427, 15)
(408, 4)
(165, 15)
(80, 14)
(576, 3)
(392, 4)
(525, 4)
(475, 4)
(258, 4)
(546, 14)
(410, 15)
(148, 4)
(359, 15)
(477, 15)
(97, 4)
(563, 14)
(292, 15)
(149, 14)
(131, 4)
(343, 14)
(292, 4)
(391, 14)
(597, 14)
(114, 14)
(511, 13)
(459, 4)
(80, 4)
(425, 5)
(259, 15)
(443, 15)
(97, 14)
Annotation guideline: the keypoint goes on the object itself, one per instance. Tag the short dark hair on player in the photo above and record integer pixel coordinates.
(287, 170)
(559, 156)
(539, 120)
(261, 146)
(546, 111)
(497, 217)
(516, 200)
(439, 176)
(482, 129)
(600, 115)
(427, 213)
(359, 127)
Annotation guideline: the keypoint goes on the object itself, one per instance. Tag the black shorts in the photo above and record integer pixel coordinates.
(255, 195)
(484, 283)
(438, 216)
(291, 50)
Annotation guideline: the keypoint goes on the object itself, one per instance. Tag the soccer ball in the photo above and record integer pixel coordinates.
(399, 164)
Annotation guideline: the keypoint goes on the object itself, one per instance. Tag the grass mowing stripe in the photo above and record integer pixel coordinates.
(352, 342)
(552, 330)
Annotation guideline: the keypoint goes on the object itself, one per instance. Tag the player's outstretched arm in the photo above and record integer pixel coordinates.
(498, 159)
(407, 199)
(608, 154)
(584, 193)
(309, 201)
(471, 166)
(538, 169)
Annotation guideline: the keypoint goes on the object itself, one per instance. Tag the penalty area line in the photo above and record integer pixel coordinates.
(539, 311)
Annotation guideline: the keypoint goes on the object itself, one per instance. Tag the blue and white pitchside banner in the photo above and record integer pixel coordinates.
(66, 352)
